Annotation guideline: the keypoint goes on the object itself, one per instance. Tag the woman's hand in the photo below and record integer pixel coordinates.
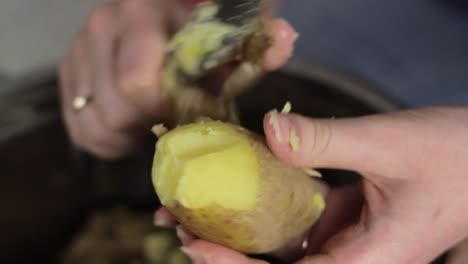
(415, 175)
(116, 60)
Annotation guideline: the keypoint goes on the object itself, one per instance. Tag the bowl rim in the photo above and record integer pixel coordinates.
(347, 84)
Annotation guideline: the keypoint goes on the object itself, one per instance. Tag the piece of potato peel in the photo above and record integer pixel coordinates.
(159, 130)
(318, 201)
(273, 121)
(312, 172)
(294, 140)
(286, 108)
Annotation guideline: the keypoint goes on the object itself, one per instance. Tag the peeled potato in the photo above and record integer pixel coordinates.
(222, 182)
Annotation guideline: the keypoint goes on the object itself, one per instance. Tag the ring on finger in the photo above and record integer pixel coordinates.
(80, 102)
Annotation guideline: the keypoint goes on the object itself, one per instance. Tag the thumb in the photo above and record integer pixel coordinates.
(360, 144)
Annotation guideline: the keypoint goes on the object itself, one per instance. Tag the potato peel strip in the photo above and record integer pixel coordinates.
(159, 130)
(275, 124)
(286, 108)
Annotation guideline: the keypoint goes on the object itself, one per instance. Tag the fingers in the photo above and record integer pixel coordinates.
(390, 149)
(208, 253)
(163, 218)
(96, 136)
(200, 251)
(356, 244)
(185, 236)
(191, 2)
(362, 243)
(115, 59)
(98, 139)
(276, 56)
(343, 209)
(284, 37)
(100, 122)
(140, 56)
(117, 112)
(459, 254)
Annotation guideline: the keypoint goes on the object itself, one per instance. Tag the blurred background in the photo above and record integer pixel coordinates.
(35, 34)
(414, 51)
(353, 57)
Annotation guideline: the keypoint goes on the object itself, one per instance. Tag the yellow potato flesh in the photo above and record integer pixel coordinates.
(206, 164)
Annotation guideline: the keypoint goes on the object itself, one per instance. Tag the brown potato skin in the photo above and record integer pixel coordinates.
(284, 209)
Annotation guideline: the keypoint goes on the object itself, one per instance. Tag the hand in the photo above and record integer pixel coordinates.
(116, 58)
(459, 254)
(414, 172)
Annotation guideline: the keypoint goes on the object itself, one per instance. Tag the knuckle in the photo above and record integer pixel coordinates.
(323, 137)
(99, 20)
(125, 78)
(117, 122)
(133, 8)
(130, 81)
(315, 138)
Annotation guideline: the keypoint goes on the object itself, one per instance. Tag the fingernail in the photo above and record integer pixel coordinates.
(283, 129)
(161, 221)
(194, 257)
(286, 30)
(184, 237)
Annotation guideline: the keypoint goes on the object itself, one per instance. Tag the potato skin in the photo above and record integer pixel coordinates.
(284, 211)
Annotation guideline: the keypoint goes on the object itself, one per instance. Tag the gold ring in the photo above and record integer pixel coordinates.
(305, 244)
(80, 102)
